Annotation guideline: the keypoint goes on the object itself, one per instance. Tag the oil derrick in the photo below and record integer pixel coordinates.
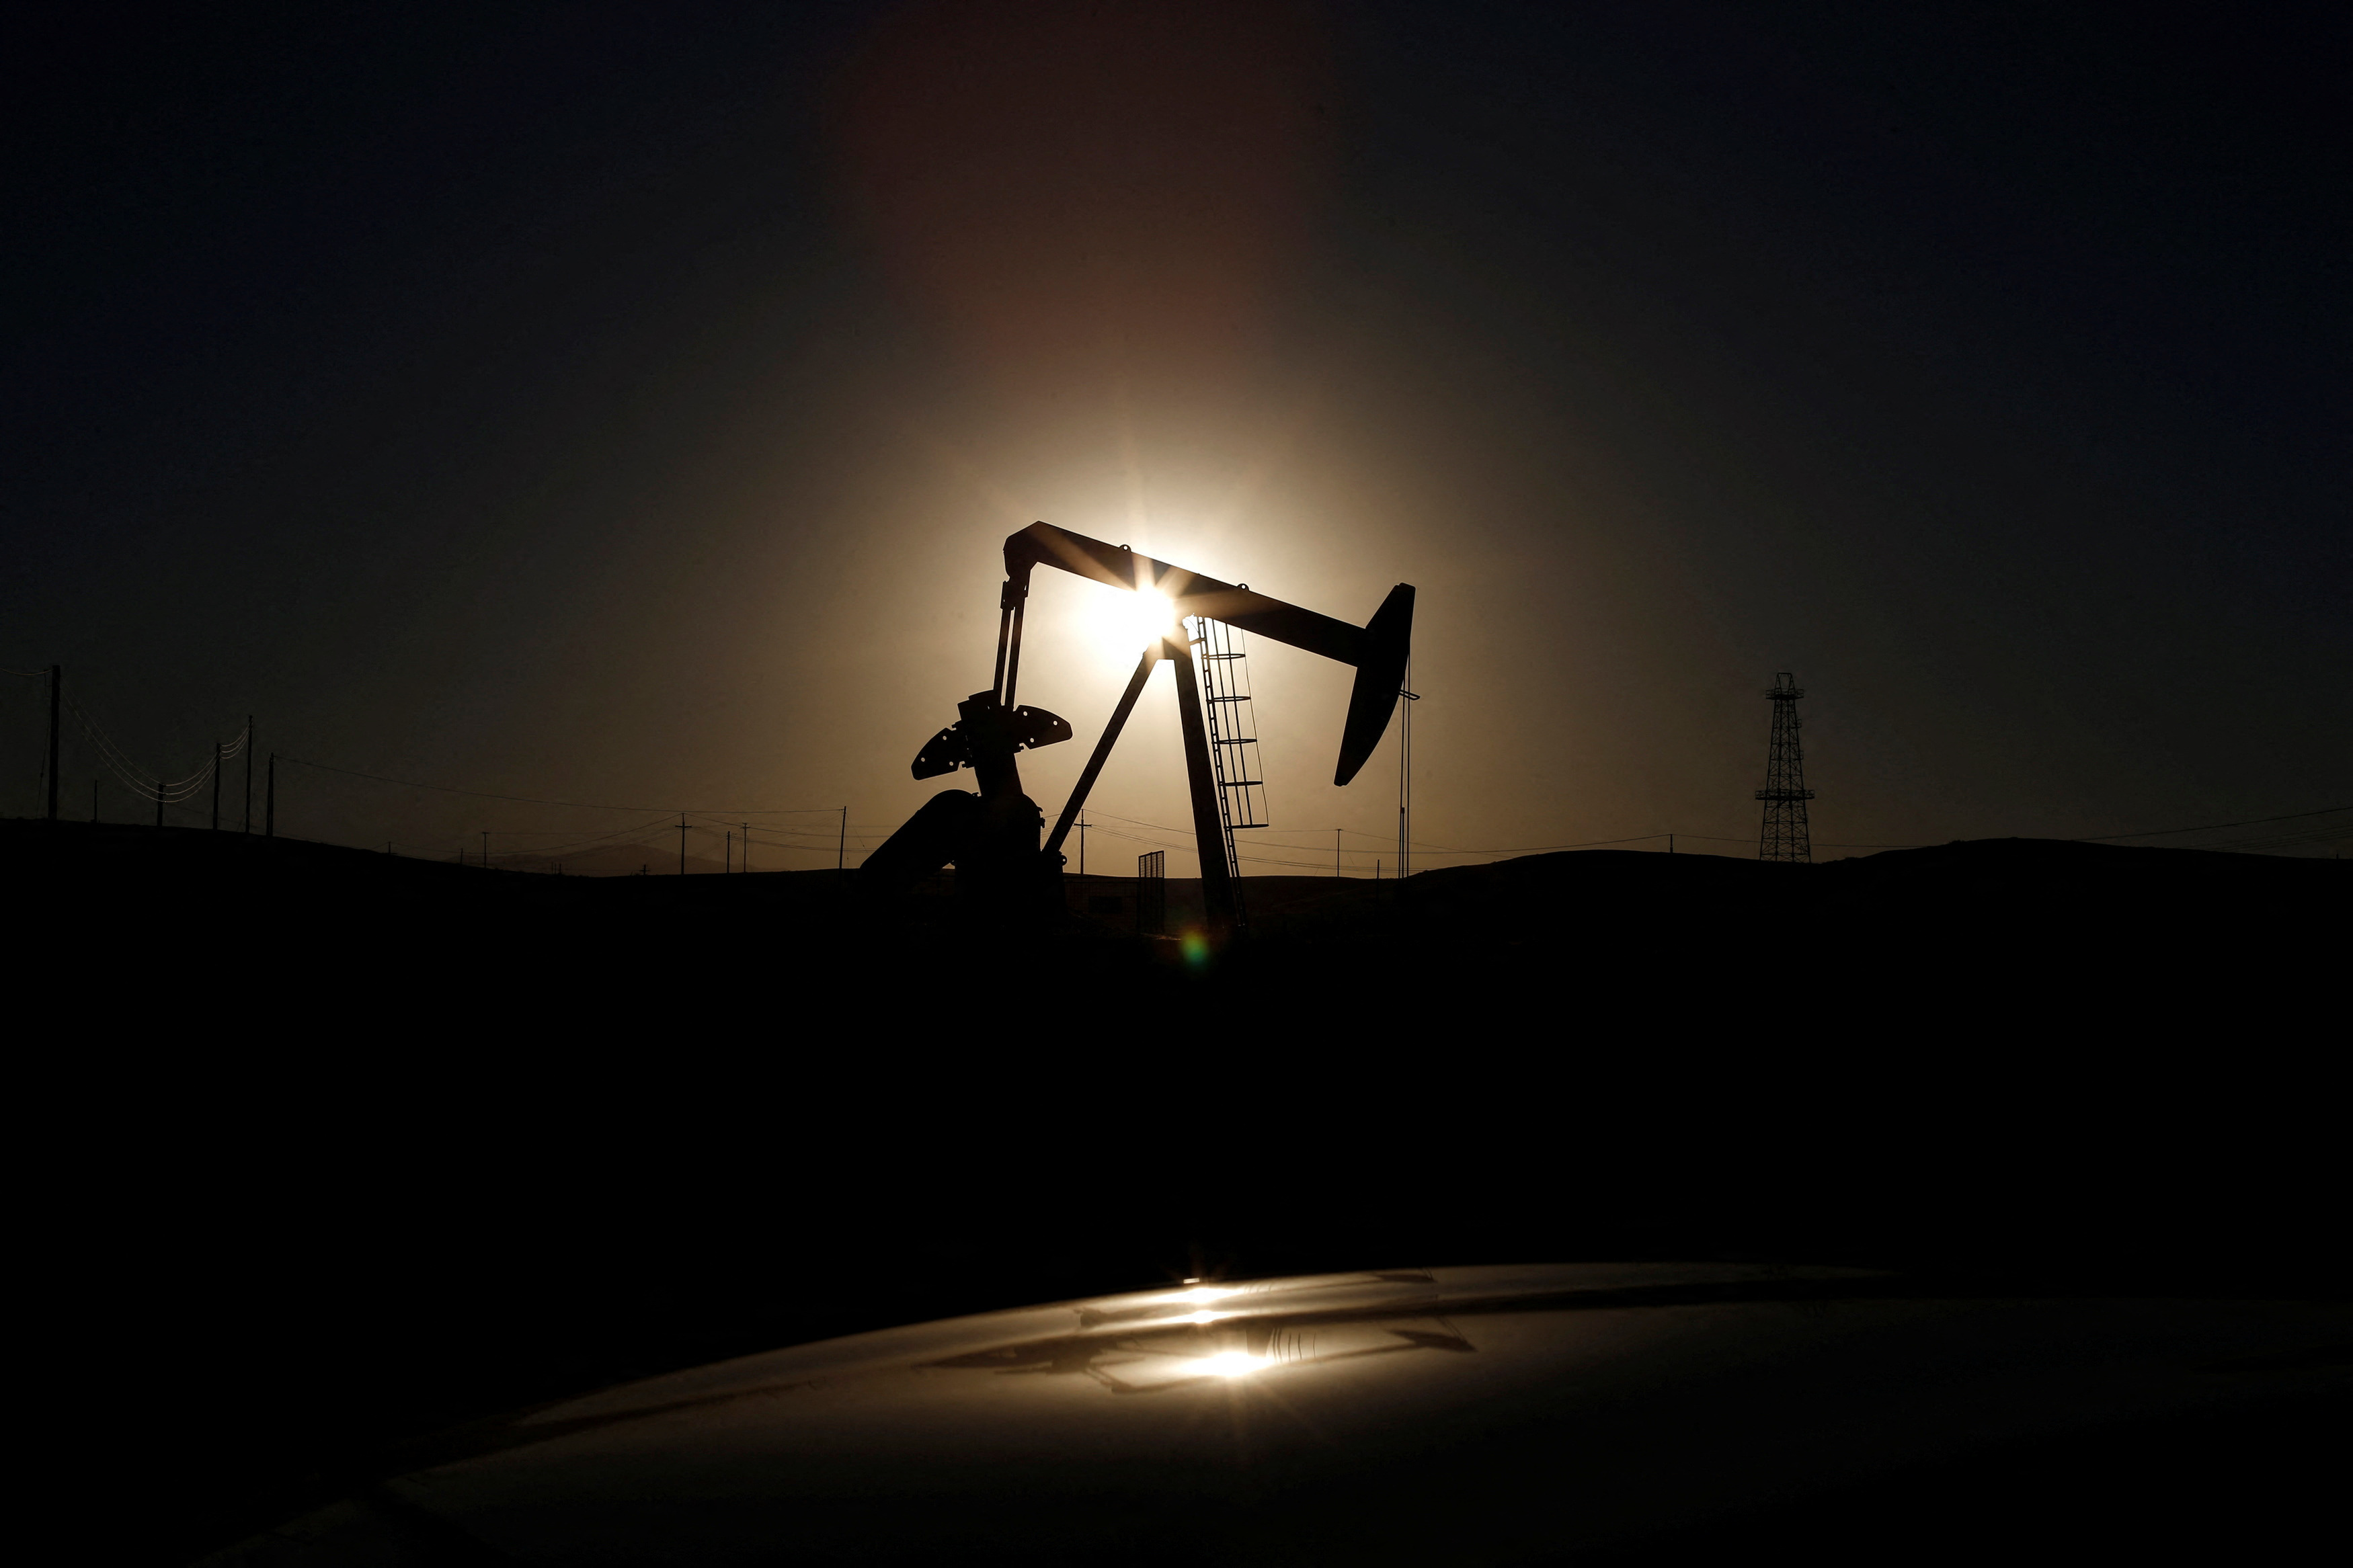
(1786, 836)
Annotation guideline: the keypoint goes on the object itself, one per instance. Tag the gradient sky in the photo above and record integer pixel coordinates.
(626, 404)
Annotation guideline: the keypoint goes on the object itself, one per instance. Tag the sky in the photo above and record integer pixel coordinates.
(627, 406)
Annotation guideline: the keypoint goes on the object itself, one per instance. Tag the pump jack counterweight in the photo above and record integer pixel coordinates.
(992, 837)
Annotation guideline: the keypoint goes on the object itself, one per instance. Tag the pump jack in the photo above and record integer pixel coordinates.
(992, 837)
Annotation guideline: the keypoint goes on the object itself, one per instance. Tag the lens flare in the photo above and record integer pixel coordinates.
(1204, 1294)
(1231, 1363)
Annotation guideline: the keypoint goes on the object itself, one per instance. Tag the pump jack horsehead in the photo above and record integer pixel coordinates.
(992, 837)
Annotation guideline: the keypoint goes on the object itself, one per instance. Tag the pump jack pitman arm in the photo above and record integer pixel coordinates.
(1377, 649)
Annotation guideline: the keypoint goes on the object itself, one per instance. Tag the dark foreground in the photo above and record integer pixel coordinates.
(327, 1150)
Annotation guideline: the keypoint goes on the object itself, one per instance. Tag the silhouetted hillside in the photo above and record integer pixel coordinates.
(329, 1147)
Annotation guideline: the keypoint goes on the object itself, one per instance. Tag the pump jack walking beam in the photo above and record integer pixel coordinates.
(1377, 650)
(989, 829)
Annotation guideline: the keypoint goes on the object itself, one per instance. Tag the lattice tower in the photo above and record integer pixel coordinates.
(1786, 834)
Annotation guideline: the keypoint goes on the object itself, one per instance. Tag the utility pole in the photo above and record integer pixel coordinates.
(1407, 698)
(727, 865)
(57, 691)
(216, 761)
(269, 802)
(248, 774)
(841, 849)
(748, 849)
(1082, 848)
(1671, 843)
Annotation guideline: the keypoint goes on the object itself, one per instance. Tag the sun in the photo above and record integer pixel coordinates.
(1125, 623)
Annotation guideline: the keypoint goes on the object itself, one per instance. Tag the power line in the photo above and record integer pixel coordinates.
(1254, 860)
(2209, 827)
(536, 800)
(812, 840)
(1723, 838)
(1451, 849)
(163, 792)
(613, 838)
(637, 835)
